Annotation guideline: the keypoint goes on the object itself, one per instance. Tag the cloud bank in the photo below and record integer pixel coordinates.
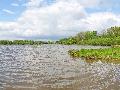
(58, 19)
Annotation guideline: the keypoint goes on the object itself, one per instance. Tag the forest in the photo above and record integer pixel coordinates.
(109, 37)
(22, 42)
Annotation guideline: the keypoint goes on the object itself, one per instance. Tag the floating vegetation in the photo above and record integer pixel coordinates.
(110, 55)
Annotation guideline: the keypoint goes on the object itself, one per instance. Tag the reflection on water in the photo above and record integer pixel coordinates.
(112, 61)
(49, 67)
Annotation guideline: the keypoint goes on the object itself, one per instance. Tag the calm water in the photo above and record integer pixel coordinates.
(49, 67)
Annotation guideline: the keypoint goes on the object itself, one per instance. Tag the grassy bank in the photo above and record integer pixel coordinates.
(105, 55)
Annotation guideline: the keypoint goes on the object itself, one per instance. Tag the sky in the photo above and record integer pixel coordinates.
(55, 19)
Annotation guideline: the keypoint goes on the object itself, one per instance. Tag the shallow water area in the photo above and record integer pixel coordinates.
(49, 67)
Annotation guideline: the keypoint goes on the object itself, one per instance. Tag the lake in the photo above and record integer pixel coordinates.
(49, 67)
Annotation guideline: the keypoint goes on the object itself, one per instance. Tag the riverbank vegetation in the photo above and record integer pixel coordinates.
(105, 55)
(109, 37)
(22, 42)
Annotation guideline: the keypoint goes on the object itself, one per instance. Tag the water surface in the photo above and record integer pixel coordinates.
(49, 67)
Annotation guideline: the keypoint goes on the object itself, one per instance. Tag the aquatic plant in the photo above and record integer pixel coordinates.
(105, 55)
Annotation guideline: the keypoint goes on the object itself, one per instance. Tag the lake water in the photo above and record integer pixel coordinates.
(49, 67)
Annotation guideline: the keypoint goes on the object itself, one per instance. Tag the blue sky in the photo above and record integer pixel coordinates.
(53, 19)
(106, 6)
(15, 6)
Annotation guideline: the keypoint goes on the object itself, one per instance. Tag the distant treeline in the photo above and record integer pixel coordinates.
(22, 42)
(111, 36)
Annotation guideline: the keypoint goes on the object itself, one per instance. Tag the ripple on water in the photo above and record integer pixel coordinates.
(49, 67)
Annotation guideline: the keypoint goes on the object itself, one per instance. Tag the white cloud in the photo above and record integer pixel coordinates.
(15, 4)
(34, 3)
(100, 21)
(8, 11)
(51, 20)
(85, 3)
(62, 18)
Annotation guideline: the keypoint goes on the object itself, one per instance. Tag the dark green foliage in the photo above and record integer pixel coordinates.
(109, 37)
(67, 41)
(50, 42)
(113, 32)
(74, 53)
(21, 42)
